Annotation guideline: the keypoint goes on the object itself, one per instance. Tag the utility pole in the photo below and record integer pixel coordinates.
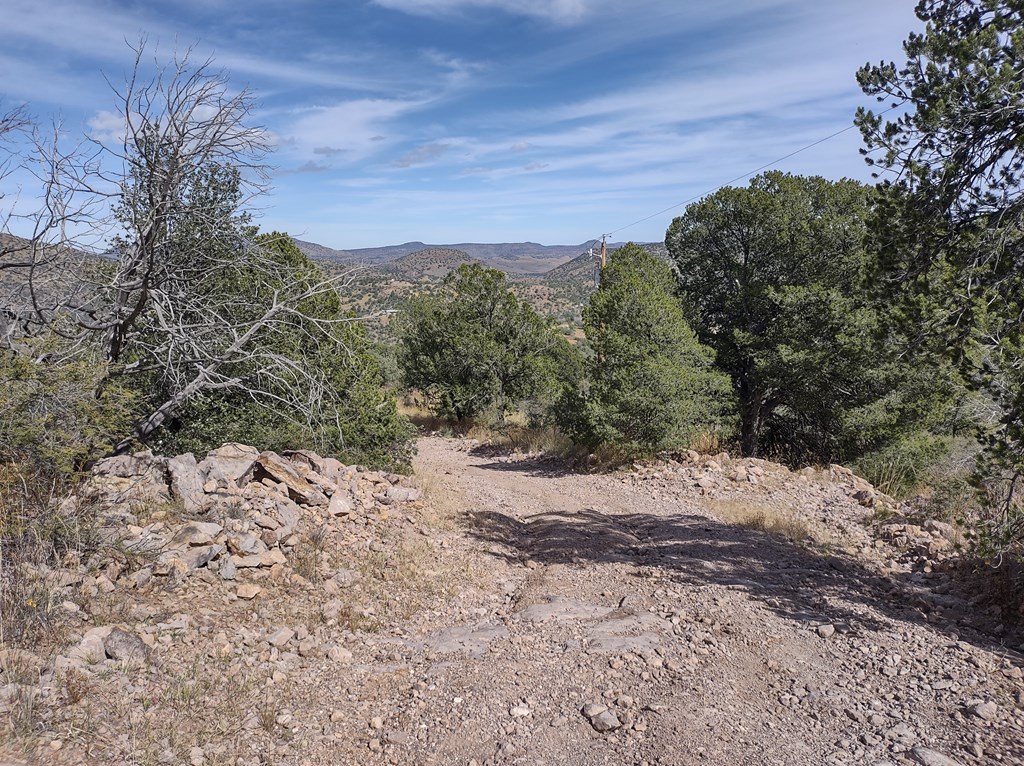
(604, 251)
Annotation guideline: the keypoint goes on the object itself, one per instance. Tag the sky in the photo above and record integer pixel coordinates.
(446, 121)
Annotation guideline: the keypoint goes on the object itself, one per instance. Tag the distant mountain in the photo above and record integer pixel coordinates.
(510, 257)
(431, 262)
(320, 252)
(583, 267)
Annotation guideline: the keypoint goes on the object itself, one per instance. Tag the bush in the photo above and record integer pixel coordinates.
(651, 384)
(52, 425)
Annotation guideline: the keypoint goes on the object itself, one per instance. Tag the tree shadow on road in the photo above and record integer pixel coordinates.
(796, 582)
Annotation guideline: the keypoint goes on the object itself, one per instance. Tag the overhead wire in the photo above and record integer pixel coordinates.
(734, 180)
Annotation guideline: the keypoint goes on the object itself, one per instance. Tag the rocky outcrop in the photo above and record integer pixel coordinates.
(237, 509)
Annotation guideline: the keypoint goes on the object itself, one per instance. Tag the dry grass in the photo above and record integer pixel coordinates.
(772, 521)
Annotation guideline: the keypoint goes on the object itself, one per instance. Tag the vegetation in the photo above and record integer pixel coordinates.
(650, 384)
(358, 419)
(773, 275)
(474, 347)
(950, 217)
(220, 332)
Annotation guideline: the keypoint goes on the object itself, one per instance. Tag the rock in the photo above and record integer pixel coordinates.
(231, 463)
(942, 529)
(247, 591)
(339, 654)
(185, 482)
(228, 570)
(273, 466)
(281, 637)
(125, 647)
(192, 534)
(982, 709)
(341, 504)
(927, 757)
(522, 710)
(403, 494)
(184, 562)
(606, 721)
(600, 717)
(89, 651)
(265, 559)
(826, 631)
(396, 738)
(865, 497)
(246, 544)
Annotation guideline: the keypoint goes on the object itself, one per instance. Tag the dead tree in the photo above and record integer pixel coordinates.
(178, 290)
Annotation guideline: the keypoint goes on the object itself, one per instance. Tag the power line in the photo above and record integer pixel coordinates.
(737, 178)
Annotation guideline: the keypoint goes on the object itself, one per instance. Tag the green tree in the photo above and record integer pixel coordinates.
(357, 417)
(773, 274)
(952, 214)
(474, 346)
(651, 384)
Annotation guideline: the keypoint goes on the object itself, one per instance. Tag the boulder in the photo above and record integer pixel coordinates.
(273, 466)
(185, 482)
(193, 534)
(341, 504)
(230, 463)
(403, 494)
(125, 647)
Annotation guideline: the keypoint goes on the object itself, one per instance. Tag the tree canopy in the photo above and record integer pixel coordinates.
(773, 277)
(950, 225)
(474, 346)
(650, 384)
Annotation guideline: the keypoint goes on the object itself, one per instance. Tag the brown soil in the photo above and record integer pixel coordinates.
(524, 607)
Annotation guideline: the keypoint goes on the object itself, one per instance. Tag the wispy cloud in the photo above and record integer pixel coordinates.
(420, 155)
(560, 11)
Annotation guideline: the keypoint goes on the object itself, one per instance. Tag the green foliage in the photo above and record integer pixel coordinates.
(474, 347)
(774, 277)
(357, 417)
(51, 422)
(951, 216)
(651, 384)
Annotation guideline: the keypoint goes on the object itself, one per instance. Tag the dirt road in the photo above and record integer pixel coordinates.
(710, 611)
(633, 627)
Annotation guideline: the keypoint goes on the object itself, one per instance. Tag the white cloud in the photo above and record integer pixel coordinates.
(559, 11)
(420, 155)
(351, 130)
(107, 126)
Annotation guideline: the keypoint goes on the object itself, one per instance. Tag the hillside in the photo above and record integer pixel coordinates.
(432, 262)
(320, 252)
(526, 258)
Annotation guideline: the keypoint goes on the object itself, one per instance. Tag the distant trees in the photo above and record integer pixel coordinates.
(950, 223)
(650, 384)
(772, 276)
(474, 347)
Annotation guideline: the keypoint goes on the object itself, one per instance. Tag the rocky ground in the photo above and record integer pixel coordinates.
(261, 609)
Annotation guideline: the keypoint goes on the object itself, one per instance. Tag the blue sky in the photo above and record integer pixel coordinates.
(553, 121)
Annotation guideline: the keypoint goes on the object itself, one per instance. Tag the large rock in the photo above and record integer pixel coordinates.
(192, 534)
(125, 647)
(273, 466)
(230, 463)
(133, 479)
(185, 482)
(403, 494)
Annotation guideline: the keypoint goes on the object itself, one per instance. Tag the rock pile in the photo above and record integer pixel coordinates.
(236, 511)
